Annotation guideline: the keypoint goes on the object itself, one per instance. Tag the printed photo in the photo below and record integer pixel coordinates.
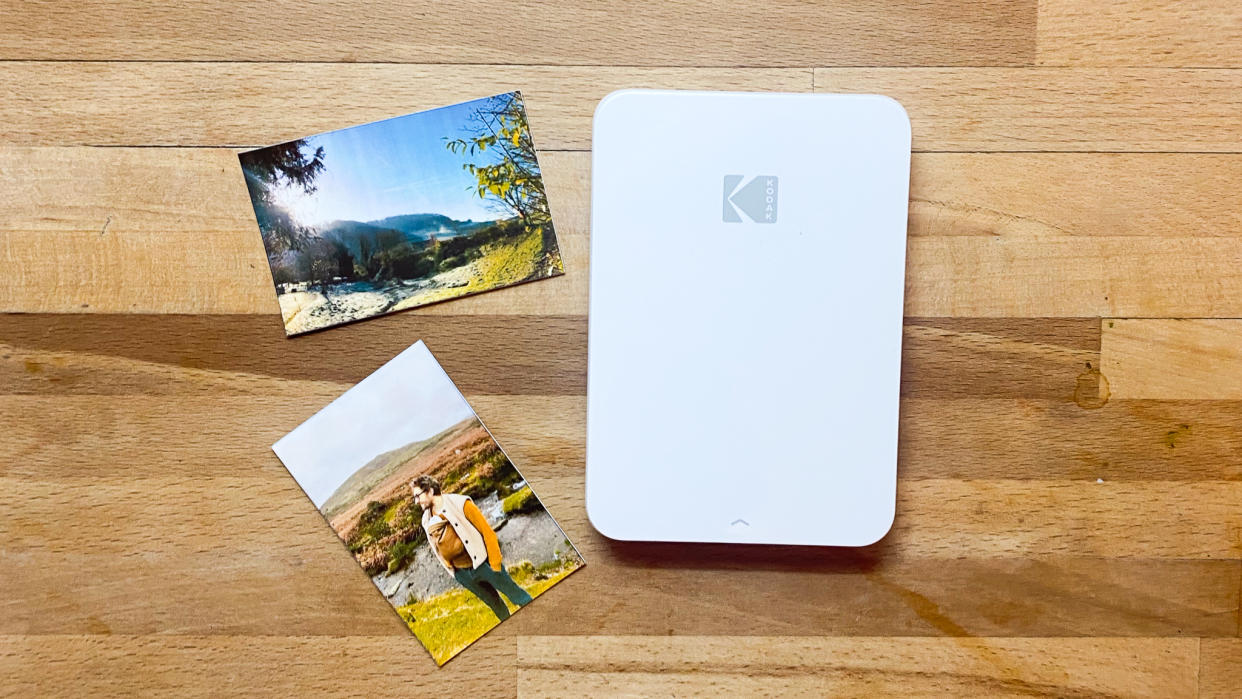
(403, 212)
(428, 503)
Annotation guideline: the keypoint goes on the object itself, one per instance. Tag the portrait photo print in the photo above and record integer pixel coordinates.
(403, 212)
(428, 503)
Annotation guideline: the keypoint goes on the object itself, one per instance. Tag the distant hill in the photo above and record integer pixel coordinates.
(381, 467)
(386, 233)
(422, 226)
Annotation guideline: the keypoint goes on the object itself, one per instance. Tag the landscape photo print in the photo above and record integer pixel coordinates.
(403, 212)
(427, 502)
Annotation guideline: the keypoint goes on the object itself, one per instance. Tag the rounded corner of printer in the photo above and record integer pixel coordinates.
(604, 521)
(876, 530)
(895, 114)
(609, 101)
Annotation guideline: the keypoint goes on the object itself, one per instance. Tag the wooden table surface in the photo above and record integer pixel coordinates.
(1070, 499)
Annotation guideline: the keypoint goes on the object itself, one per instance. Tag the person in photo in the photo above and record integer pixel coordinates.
(466, 545)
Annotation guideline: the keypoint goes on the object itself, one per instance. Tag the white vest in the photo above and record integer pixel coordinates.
(453, 508)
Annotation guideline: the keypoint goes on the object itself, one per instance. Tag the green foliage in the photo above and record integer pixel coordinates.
(319, 262)
(407, 517)
(510, 175)
(400, 555)
(523, 500)
(371, 526)
(523, 570)
(487, 471)
(375, 511)
(285, 165)
(388, 533)
(386, 255)
(518, 261)
(451, 262)
(447, 623)
(404, 262)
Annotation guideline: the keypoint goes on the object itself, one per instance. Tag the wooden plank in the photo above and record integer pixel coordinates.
(1001, 518)
(935, 517)
(1101, 276)
(995, 357)
(1058, 109)
(1203, 33)
(146, 436)
(967, 438)
(1155, 358)
(1033, 439)
(313, 588)
(565, 665)
(1021, 196)
(952, 109)
(1220, 669)
(308, 589)
(111, 230)
(576, 666)
(270, 665)
(254, 104)
(646, 32)
(199, 354)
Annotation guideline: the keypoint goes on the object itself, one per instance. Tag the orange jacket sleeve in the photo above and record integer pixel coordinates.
(489, 536)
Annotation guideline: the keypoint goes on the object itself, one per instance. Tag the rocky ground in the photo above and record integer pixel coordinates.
(310, 310)
(530, 537)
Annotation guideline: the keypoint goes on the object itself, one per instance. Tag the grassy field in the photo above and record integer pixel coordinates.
(449, 622)
(503, 263)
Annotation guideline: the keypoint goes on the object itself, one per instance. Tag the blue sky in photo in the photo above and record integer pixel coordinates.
(407, 400)
(392, 167)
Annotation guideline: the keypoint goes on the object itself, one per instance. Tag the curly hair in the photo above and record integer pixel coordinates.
(427, 483)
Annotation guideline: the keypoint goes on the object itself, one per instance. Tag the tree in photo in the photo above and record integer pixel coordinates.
(290, 164)
(511, 179)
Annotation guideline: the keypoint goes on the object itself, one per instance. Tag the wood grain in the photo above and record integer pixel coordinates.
(236, 104)
(1220, 672)
(207, 666)
(1058, 109)
(100, 354)
(1101, 276)
(647, 32)
(570, 666)
(1026, 196)
(1204, 33)
(1153, 358)
(558, 665)
(309, 589)
(952, 109)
